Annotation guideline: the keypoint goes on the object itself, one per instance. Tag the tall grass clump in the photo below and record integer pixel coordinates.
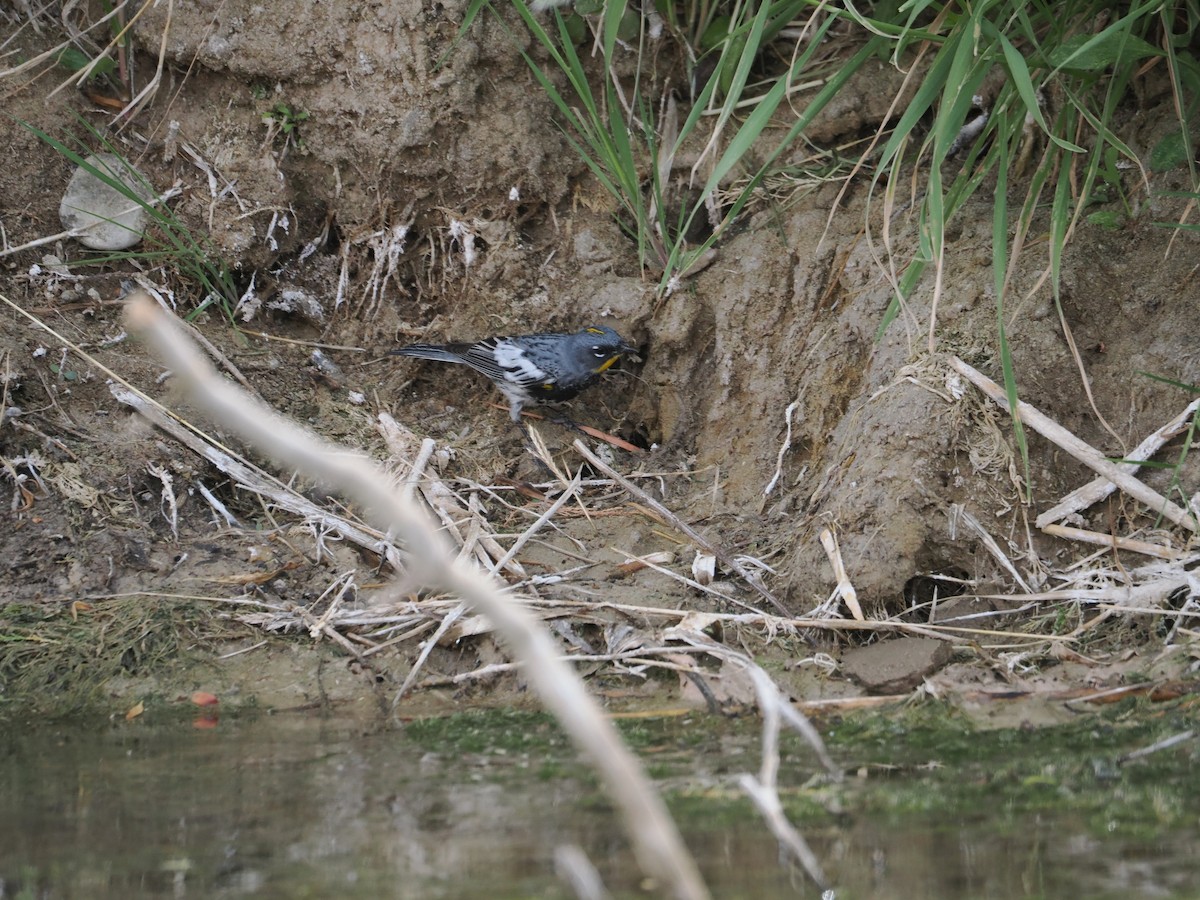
(1052, 128)
(1008, 94)
(630, 138)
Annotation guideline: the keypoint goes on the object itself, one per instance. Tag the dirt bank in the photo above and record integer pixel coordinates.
(328, 159)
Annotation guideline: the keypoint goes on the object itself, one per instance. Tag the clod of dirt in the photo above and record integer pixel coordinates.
(897, 666)
(104, 217)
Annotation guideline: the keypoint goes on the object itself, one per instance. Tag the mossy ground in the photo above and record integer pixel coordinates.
(56, 660)
(926, 761)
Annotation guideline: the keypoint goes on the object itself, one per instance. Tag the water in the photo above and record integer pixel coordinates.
(287, 806)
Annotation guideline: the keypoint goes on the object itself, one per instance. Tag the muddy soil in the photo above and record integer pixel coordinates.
(330, 157)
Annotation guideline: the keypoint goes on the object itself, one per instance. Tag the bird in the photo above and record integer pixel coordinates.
(534, 368)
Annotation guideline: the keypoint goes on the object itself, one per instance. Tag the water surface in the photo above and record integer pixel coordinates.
(297, 806)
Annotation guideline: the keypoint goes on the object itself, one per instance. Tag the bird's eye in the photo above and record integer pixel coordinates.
(599, 352)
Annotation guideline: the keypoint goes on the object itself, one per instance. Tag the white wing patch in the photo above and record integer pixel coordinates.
(517, 367)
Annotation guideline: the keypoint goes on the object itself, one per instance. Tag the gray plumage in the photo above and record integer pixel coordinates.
(534, 368)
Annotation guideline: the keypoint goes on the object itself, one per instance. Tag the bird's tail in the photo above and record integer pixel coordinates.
(441, 352)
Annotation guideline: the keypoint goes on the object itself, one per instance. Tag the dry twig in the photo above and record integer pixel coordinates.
(845, 588)
(254, 479)
(1118, 543)
(1097, 490)
(762, 790)
(1085, 453)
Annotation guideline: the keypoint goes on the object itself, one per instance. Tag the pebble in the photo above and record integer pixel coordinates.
(104, 217)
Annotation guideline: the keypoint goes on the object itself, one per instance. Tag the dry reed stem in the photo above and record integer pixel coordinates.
(442, 500)
(343, 584)
(844, 588)
(574, 867)
(643, 656)
(775, 710)
(1097, 490)
(257, 481)
(768, 693)
(1135, 598)
(649, 563)
(447, 622)
(571, 491)
(1157, 746)
(959, 514)
(1117, 543)
(316, 627)
(54, 52)
(146, 94)
(1085, 453)
(418, 466)
(763, 790)
(429, 613)
(848, 703)
(656, 842)
(195, 334)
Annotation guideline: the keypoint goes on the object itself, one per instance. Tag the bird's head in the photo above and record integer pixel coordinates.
(599, 347)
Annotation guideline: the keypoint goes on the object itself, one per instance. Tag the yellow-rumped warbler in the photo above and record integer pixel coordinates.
(534, 368)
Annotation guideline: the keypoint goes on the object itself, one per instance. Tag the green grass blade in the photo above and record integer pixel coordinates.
(1000, 275)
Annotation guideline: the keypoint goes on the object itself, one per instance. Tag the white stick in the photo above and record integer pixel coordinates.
(844, 588)
(1111, 540)
(1097, 490)
(1085, 453)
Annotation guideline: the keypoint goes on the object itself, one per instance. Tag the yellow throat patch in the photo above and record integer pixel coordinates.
(608, 362)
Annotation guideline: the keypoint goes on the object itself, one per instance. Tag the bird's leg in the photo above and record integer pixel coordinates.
(566, 422)
(532, 446)
(526, 438)
(562, 420)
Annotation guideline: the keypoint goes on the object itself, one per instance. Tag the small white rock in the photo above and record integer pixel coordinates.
(105, 217)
